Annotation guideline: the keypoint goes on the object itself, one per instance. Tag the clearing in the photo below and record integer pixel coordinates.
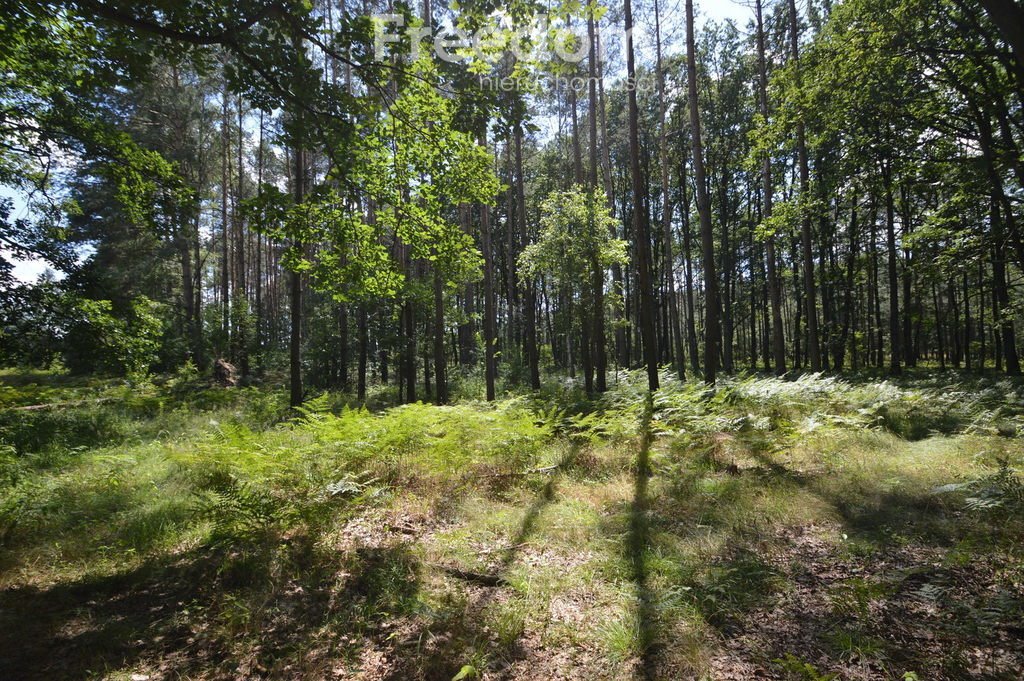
(807, 529)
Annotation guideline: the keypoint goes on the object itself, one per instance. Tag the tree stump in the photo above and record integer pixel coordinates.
(225, 373)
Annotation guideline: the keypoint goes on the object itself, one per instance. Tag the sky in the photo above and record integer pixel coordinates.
(720, 10)
(24, 270)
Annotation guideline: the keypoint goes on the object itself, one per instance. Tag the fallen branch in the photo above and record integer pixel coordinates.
(469, 576)
(55, 405)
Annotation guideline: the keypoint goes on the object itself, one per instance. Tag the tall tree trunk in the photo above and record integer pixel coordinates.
(188, 296)
(585, 311)
(641, 233)
(409, 351)
(597, 271)
(940, 325)
(240, 304)
(490, 335)
(621, 354)
(727, 280)
(691, 315)
(810, 297)
(707, 237)
(295, 340)
(530, 299)
(512, 241)
(909, 358)
(1001, 296)
(774, 288)
(466, 335)
(894, 294)
(440, 370)
(225, 180)
(848, 302)
(344, 382)
(259, 257)
(674, 336)
(363, 353)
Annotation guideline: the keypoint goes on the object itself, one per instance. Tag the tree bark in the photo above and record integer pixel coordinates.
(530, 299)
(810, 297)
(674, 336)
(894, 294)
(1001, 296)
(642, 243)
(774, 292)
(440, 370)
(295, 286)
(707, 238)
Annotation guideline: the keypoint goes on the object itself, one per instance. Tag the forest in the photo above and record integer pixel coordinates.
(619, 339)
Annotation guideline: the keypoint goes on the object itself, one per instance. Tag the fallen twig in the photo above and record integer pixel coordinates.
(469, 576)
(55, 405)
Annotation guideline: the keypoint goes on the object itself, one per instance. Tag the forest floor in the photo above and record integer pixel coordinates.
(792, 529)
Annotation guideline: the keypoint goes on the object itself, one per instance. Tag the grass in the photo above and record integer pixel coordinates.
(806, 529)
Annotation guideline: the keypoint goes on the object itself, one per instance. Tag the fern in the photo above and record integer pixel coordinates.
(239, 509)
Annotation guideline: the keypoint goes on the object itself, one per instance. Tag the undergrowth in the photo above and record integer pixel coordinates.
(636, 534)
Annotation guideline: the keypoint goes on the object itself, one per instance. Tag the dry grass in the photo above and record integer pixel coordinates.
(775, 529)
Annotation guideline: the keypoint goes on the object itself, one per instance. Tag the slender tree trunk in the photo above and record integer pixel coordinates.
(726, 290)
(876, 303)
(954, 333)
(848, 302)
(344, 382)
(597, 271)
(409, 353)
(512, 240)
(363, 353)
(188, 296)
(691, 316)
(241, 301)
(894, 295)
(295, 340)
(967, 322)
(225, 296)
(712, 314)
(530, 299)
(609, 190)
(490, 336)
(982, 331)
(1001, 296)
(585, 311)
(259, 258)
(810, 297)
(774, 292)
(642, 239)
(909, 358)
(440, 370)
(465, 329)
(940, 325)
(197, 308)
(673, 337)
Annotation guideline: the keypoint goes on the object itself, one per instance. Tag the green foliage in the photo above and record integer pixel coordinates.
(351, 517)
(801, 670)
(101, 342)
(999, 494)
(56, 429)
(574, 238)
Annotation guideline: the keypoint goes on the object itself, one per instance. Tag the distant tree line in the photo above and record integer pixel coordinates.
(832, 187)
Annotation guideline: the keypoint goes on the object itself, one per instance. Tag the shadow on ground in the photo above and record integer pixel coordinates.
(249, 611)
